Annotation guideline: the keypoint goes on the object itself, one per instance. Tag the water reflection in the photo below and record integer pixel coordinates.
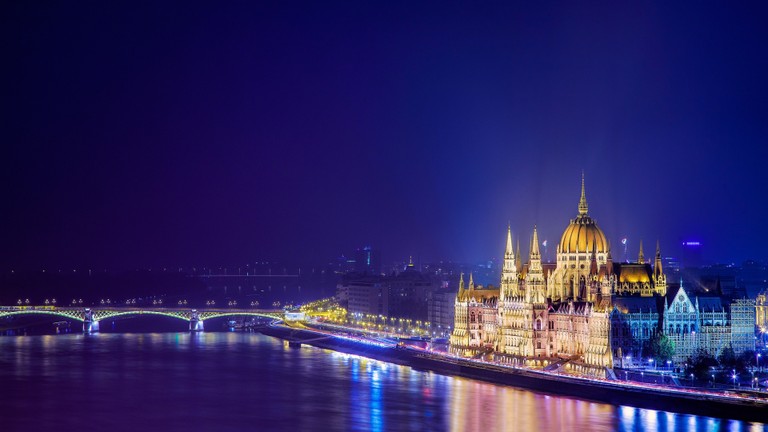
(240, 381)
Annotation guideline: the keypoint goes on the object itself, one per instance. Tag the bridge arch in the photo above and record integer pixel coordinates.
(210, 315)
(112, 314)
(63, 314)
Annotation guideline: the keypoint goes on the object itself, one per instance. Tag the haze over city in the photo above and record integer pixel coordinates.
(153, 134)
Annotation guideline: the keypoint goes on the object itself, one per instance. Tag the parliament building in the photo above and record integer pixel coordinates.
(583, 311)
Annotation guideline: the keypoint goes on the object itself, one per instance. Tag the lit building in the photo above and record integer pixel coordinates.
(441, 310)
(367, 295)
(474, 328)
(585, 310)
(761, 311)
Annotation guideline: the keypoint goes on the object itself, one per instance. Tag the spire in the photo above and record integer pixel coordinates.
(609, 260)
(471, 282)
(657, 264)
(583, 200)
(593, 260)
(509, 241)
(460, 295)
(535, 242)
(640, 256)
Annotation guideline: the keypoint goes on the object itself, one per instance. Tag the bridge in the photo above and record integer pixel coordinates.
(90, 317)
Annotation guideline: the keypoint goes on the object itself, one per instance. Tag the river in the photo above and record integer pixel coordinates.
(230, 381)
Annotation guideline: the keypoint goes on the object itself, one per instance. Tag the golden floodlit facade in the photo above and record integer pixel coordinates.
(557, 314)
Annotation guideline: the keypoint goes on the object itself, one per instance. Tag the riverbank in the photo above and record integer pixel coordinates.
(614, 392)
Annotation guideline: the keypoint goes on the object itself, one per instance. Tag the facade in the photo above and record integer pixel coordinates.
(474, 329)
(761, 311)
(440, 311)
(404, 295)
(367, 295)
(586, 310)
(409, 294)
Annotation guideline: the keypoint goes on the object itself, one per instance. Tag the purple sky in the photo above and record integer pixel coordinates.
(145, 134)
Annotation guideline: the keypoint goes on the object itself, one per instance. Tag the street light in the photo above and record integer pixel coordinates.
(691, 380)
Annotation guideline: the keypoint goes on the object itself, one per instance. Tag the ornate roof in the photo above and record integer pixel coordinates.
(583, 234)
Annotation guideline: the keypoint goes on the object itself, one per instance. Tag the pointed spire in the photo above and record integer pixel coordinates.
(471, 282)
(609, 260)
(640, 256)
(657, 265)
(509, 241)
(535, 242)
(460, 295)
(593, 262)
(583, 200)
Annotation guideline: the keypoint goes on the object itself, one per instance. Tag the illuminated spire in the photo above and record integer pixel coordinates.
(583, 200)
(471, 282)
(640, 256)
(509, 269)
(593, 267)
(657, 265)
(460, 295)
(609, 259)
(535, 243)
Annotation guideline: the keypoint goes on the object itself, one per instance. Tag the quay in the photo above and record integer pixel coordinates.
(656, 397)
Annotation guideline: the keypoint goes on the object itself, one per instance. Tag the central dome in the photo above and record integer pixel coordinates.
(583, 235)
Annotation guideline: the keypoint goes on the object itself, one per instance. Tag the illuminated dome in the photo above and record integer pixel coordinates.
(582, 233)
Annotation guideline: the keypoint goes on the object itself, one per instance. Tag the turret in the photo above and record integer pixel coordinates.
(509, 271)
(535, 254)
(640, 256)
(535, 288)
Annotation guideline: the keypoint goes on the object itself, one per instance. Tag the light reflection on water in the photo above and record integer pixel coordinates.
(240, 381)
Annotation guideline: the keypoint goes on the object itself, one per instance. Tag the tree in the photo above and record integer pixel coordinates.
(701, 364)
(659, 347)
(727, 358)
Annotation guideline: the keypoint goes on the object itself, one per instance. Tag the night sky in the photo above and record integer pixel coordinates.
(149, 134)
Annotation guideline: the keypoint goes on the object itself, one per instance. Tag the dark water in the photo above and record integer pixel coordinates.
(245, 382)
